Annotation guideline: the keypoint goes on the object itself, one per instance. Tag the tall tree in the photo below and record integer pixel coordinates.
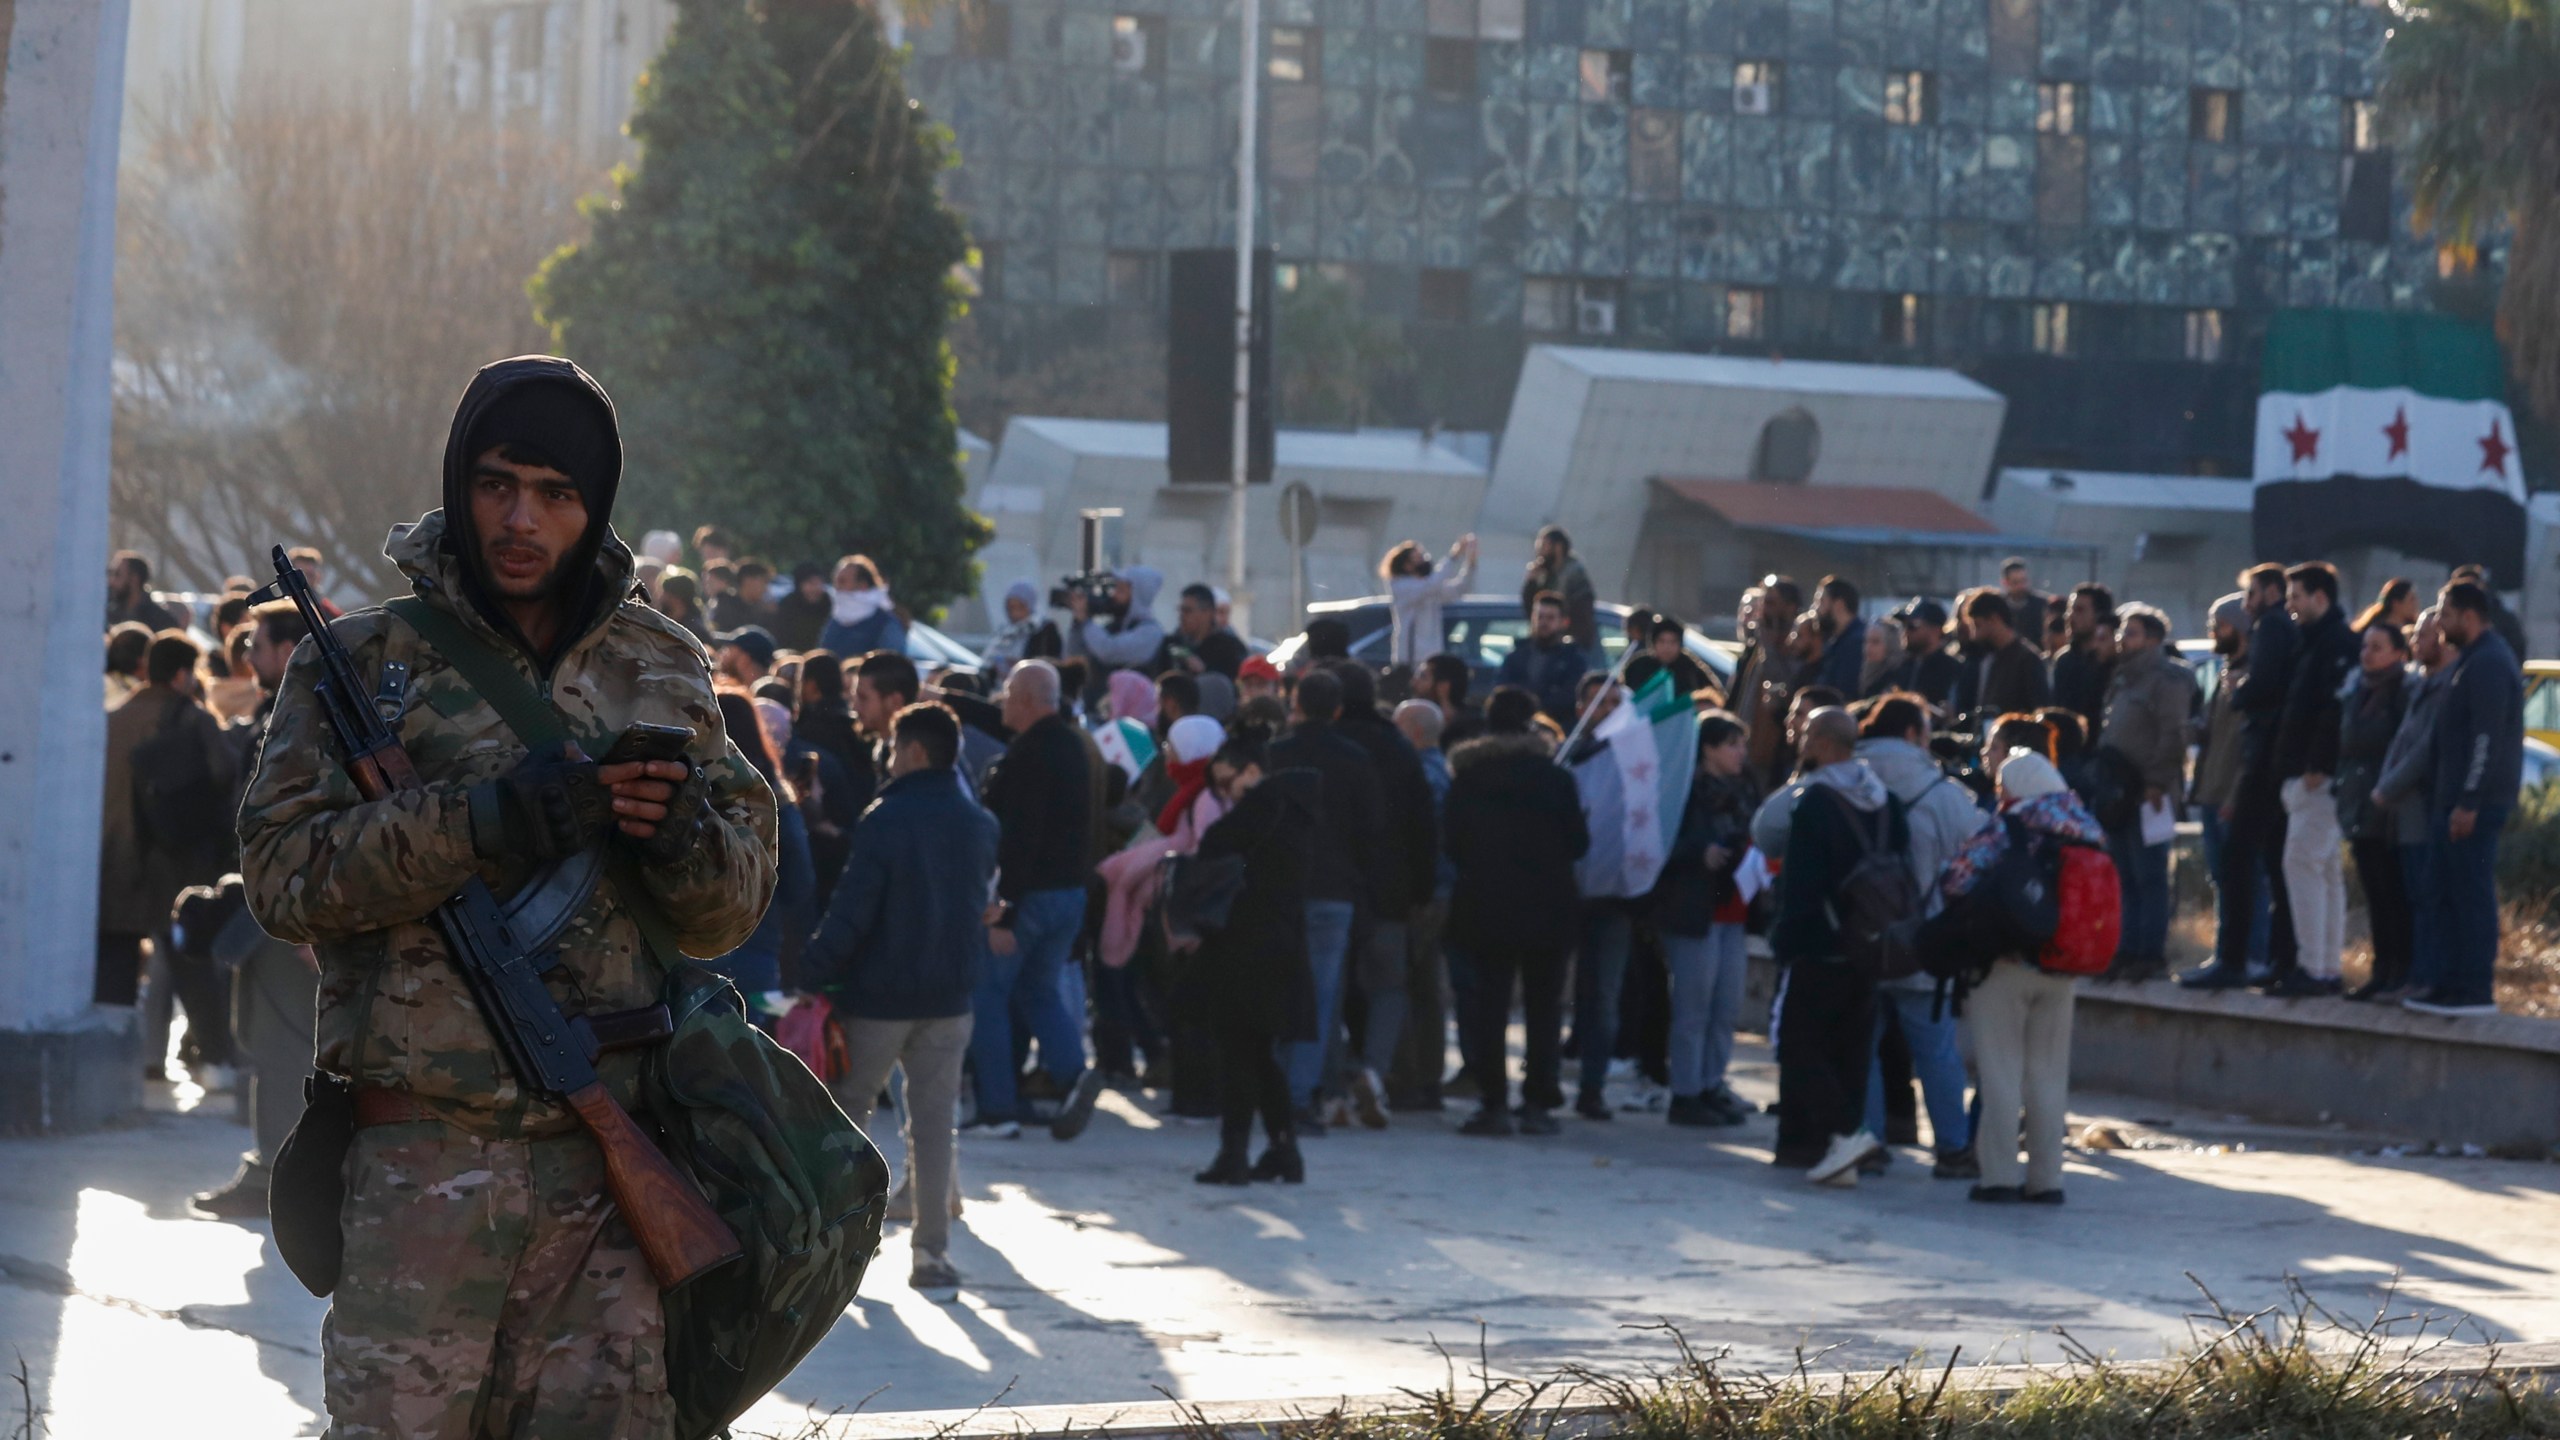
(2472, 87)
(767, 295)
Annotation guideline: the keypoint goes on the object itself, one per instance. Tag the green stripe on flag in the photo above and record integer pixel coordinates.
(1655, 698)
(2309, 351)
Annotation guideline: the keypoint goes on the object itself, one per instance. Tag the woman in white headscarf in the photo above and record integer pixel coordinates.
(1019, 637)
(2020, 1014)
(863, 618)
(1129, 877)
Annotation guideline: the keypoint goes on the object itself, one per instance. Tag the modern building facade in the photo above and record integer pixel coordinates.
(2087, 204)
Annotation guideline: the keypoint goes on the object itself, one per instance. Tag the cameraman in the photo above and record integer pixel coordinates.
(1127, 635)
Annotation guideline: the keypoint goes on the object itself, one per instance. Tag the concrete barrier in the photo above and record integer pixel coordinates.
(2491, 1080)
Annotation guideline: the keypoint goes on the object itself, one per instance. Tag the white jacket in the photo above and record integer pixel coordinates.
(1416, 602)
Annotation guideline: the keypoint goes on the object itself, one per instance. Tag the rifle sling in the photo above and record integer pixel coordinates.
(537, 723)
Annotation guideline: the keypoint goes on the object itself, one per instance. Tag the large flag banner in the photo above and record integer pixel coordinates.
(1653, 738)
(2379, 428)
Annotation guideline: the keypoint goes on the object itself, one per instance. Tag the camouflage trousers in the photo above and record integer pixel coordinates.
(490, 1292)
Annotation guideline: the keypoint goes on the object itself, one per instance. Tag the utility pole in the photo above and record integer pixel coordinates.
(1245, 187)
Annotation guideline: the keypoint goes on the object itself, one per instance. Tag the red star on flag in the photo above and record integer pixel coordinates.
(2493, 449)
(2304, 440)
(2398, 432)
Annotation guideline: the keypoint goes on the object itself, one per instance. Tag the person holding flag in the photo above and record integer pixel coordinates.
(1128, 739)
(1632, 757)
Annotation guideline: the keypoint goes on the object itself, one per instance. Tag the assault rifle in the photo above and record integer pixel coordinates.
(502, 958)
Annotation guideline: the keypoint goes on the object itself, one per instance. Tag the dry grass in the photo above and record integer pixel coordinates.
(2297, 1371)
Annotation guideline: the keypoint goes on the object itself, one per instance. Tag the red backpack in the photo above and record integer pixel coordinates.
(2092, 908)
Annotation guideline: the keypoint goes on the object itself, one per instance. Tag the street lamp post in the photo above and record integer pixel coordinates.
(1245, 186)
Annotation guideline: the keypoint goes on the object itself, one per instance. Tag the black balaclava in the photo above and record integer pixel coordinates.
(550, 405)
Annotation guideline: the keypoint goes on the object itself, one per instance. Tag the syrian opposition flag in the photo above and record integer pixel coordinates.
(1127, 744)
(1653, 738)
(2387, 429)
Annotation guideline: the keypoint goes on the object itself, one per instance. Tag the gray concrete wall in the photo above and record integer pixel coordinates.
(61, 91)
(2492, 1081)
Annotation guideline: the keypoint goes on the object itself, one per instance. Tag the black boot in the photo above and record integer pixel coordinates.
(1282, 1161)
(1231, 1166)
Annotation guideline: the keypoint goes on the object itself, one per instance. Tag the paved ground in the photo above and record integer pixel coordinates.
(1097, 1271)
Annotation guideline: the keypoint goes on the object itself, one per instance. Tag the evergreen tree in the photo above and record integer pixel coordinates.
(766, 295)
(2473, 89)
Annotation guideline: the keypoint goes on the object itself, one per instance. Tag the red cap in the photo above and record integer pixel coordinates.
(1257, 667)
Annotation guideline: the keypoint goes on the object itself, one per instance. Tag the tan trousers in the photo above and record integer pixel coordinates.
(2020, 1019)
(931, 1052)
(2315, 877)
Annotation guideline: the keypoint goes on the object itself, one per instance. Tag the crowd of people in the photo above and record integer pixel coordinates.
(1122, 850)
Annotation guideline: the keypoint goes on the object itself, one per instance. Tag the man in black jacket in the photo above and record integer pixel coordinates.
(899, 954)
(1199, 644)
(2306, 757)
(2004, 674)
(1350, 839)
(2479, 760)
(2080, 672)
(1408, 852)
(2254, 822)
(1827, 1017)
(1513, 830)
(1041, 794)
(1548, 664)
(1927, 669)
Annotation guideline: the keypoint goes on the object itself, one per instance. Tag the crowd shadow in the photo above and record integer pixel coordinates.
(1407, 1232)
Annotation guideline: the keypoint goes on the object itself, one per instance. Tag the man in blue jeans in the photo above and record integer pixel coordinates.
(2149, 696)
(1041, 796)
(2479, 763)
(1350, 838)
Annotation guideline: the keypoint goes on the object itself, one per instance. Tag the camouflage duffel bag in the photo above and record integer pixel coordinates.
(800, 1184)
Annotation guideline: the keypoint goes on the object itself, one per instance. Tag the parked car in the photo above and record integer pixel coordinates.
(2542, 700)
(933, 650)
(1481, 630)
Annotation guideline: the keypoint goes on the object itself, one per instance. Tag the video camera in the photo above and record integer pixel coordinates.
(1099, 588)
(1098, 546)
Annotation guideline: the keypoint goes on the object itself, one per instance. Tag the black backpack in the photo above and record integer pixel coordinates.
(1876, 908)
(2012, 910)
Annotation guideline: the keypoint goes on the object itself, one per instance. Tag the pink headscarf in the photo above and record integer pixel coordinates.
(1133, 697)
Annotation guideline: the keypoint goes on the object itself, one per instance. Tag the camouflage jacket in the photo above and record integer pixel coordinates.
(359, 879)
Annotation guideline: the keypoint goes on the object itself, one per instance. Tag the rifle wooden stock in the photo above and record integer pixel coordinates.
(678, 1232)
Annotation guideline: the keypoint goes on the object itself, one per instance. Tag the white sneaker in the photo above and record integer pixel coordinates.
(214, 1078)
(1369, 1096)
(1842, 1159)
